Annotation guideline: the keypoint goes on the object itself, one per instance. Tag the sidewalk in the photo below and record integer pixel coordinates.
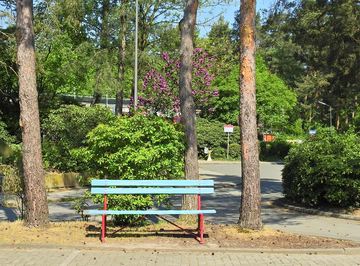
(73, 256)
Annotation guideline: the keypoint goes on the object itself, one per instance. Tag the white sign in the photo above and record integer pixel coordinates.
(312, 132)
(228, 128)
(206, 150)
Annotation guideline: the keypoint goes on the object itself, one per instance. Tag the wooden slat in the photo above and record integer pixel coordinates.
(144, 190)
(154, 183)
(148, 212)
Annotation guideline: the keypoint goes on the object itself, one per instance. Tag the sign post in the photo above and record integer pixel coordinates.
(228, 129)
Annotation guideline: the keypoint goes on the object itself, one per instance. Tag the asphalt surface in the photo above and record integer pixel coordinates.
(227, 203)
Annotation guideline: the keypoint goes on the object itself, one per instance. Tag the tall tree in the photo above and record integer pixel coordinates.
(104, 44)
(121, 57)
(221, 47)
(36, 213)
(187, 106)
(250, 210)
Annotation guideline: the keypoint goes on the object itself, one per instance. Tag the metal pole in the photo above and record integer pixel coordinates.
(227, 149)
(136, 55)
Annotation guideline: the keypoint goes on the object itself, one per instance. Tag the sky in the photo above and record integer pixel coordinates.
(208, 16)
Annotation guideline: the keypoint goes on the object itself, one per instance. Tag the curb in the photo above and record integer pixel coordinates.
(317, 212)
(106, 247)
(218, 162)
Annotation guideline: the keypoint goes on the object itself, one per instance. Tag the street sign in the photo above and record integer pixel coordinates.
(228, 128)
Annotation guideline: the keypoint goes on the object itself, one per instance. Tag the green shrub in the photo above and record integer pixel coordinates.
(138, 147)
(274, 151)
(324, 170)
(235, 151)
(10, 153)
(218, 153)
(5, 137)
(210, 134)
(65, 129)
(12, 184)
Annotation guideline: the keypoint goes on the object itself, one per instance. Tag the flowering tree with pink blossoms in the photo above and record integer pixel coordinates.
(160, 90)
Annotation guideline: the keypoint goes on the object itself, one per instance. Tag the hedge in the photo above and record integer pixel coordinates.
(324, 170)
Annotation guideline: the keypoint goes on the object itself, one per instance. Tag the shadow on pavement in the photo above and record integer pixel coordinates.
(268, 185)
(7, 214)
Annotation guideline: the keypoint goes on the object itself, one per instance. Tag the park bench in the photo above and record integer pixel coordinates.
(152, 187)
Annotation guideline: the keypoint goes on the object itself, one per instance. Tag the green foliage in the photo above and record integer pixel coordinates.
(357, 120)
(220, 46)
(275, 101)
(235, 151)
(138, 147)
(81, 204)
(12, 184)
(5, 137)
(313, 46)
(210, 134)
(65, 130)
(9, 93)
(324, 170)
(274, 151)
(10, 153)
(218, 153)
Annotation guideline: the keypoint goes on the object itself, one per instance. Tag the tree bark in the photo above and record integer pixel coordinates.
(121, 58)
(36, 208)
(187, 106)
(250, 210)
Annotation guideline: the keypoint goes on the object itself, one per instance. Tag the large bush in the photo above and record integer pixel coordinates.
(138, 147)
(65, 129)
(12, 184)
(324, 170)
(210, 134)
(9, 151)
(274, 151)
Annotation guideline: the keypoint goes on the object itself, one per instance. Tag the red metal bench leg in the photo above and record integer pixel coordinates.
(200, 223)
(103, 223)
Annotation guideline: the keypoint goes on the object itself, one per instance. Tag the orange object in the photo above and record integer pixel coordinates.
(267, 137)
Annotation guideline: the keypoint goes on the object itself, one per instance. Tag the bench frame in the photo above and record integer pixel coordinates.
(189, 187)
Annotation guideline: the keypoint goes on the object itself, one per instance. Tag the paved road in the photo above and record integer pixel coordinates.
(62, 257)
(227, 203)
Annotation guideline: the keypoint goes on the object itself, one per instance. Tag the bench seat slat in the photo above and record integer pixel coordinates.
(143, 190)
(147, 212)
(154, 183)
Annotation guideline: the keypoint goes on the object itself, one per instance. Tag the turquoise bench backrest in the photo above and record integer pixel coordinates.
(108, 186)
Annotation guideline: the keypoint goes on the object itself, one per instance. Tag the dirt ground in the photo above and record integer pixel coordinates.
(161, 235)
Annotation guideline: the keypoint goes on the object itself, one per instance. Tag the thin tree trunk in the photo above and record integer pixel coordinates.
(187, 105)
(337, 119)
(122, 55)
(104, 45)
(250, 210)
(36, 208)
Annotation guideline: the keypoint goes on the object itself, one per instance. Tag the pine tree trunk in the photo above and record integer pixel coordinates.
(187, 105)
(250, 210)
(36, 208)
(121, 58)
